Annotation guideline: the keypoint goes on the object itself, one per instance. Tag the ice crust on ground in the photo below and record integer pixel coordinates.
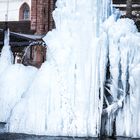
(65, 96)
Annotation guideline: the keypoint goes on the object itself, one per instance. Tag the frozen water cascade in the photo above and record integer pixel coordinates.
(91, 63)
(68, 84)
(124, 66)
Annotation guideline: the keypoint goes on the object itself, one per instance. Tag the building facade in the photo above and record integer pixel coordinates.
(30, 20)
(10, 9)
(38, 13)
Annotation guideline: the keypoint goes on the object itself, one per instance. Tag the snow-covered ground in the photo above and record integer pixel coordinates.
(65, 96)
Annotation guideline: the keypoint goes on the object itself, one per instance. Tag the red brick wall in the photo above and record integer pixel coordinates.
(41, 16)
(33, 15)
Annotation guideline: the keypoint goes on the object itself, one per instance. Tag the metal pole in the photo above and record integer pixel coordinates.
(6, 16)
(129, 8)
(6, 21)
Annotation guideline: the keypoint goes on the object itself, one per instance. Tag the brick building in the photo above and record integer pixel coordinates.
(41, 16)
(34, 13)
(33, 22)
(9, 9)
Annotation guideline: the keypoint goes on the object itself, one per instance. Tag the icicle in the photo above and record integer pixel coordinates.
(6, 57)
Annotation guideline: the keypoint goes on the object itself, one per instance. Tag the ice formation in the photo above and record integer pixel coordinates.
(92, 59)
(124, 68)
(6, 55)
(14, 82)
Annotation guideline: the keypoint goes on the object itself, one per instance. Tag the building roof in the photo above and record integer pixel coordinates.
(31, 37)
(124, 1)
(18, 26)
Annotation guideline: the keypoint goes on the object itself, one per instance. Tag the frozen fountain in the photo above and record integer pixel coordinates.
(15, 80)
(91, 74)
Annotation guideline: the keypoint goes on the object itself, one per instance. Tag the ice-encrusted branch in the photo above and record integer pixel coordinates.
(111, 109)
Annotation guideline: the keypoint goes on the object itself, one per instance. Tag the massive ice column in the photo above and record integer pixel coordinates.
(66, 97)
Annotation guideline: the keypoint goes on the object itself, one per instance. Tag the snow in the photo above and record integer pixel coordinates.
(65, 96)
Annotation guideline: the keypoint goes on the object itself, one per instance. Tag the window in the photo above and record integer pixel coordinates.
(24, 13)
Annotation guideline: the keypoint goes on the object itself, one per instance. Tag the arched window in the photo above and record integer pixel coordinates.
(24, 12)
